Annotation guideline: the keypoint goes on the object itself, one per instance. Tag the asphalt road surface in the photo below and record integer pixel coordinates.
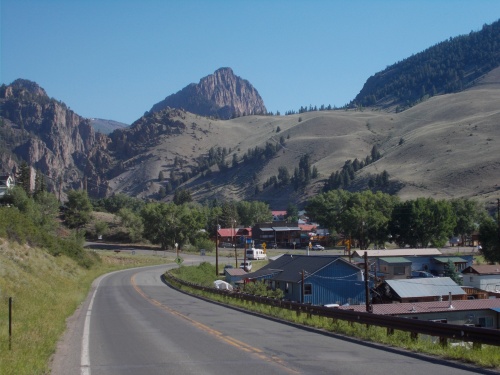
(132, 323)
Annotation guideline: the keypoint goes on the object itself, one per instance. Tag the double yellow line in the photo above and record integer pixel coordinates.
(221, 336)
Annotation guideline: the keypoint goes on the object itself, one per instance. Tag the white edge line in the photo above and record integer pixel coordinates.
(85, 355)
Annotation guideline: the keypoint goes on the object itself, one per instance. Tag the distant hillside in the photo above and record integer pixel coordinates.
(106, 126)
(447, 67)
(221, 95)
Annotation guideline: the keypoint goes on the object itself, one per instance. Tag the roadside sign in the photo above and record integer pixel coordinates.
(178, 260)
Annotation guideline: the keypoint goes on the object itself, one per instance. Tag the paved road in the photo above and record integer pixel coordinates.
(132, 323)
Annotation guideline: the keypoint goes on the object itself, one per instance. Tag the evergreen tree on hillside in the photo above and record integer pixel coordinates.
(449, 66)
(23, 178)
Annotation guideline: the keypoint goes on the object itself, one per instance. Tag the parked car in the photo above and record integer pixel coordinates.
(226, 245)
(247, 266)
(318, 247)
(421, 274)
(228, 266)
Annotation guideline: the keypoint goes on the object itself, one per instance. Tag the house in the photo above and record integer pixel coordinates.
(277, 232)
(227, 237)
(429, 260)
(485, 277)
(317, 280)
(394, 268)
(234, 275)
(479, 313)
(439, 264)
(6, 182)
(279, 215)
(419, 290)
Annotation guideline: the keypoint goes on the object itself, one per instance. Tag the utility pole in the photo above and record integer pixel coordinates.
(498, 217)
(367, 289)
(217, 248)
(303, 289)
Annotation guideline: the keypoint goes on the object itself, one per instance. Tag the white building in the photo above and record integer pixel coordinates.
(485, 277)
(6, 182)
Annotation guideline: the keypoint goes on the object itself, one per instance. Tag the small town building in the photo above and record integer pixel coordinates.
(439, 264)
(281, 233)
(234, 275)
(479, 313)
(394, 268)
(419, 290)
(317, 280)
(485, 277)
(6, 182)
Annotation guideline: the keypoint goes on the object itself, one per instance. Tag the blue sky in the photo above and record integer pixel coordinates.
(114, 59)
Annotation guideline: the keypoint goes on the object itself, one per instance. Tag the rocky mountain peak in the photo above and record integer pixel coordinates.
(24, 87)
(221, 94)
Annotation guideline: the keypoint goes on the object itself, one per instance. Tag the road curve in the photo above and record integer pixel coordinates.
(132, 323)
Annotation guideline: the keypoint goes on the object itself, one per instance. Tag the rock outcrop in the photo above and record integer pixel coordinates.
(222, 94)
(50, 137)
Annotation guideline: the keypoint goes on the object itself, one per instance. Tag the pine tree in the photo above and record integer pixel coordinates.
(23, 178)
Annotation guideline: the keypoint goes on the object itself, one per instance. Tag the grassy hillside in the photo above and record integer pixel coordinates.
(46, 290)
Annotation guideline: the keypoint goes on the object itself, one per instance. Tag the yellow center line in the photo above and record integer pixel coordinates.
(221, 336)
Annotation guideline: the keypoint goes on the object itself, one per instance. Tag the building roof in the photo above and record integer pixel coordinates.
(447, 259)
(285, 229)
(484, 269)
(396, 252)
(428, 307)
(425, 287)
(235, 271)
(395, 260)
(227, 232)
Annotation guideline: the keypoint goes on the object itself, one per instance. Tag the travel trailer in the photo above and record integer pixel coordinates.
(255, 254)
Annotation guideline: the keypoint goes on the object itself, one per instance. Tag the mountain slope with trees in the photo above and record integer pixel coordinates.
(447, 67)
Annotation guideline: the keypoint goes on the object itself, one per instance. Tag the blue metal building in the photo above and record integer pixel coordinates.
(317, 280)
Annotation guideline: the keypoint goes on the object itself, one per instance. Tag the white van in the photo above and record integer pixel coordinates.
(255, 254)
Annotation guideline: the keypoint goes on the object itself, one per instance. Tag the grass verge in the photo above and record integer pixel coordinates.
(46, 290)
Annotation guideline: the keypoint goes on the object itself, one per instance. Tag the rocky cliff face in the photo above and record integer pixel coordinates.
(50, 137)
(222, 94)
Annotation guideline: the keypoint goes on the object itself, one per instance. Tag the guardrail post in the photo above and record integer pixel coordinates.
(390, 331)
(443, 341)
(414, 336)
(10, 323)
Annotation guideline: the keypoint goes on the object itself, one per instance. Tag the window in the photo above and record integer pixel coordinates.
(399, 270)
(307, 289)
(471, 279)
(486, 321)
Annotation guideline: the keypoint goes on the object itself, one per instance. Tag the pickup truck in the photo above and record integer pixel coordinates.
(247, 266)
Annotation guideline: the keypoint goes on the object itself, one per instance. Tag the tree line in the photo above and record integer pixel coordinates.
(365, 218)
(368, 218)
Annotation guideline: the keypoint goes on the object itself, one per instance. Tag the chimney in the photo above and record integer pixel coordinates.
(450, 306)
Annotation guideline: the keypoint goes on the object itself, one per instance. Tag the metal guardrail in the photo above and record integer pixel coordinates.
(444, 331)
